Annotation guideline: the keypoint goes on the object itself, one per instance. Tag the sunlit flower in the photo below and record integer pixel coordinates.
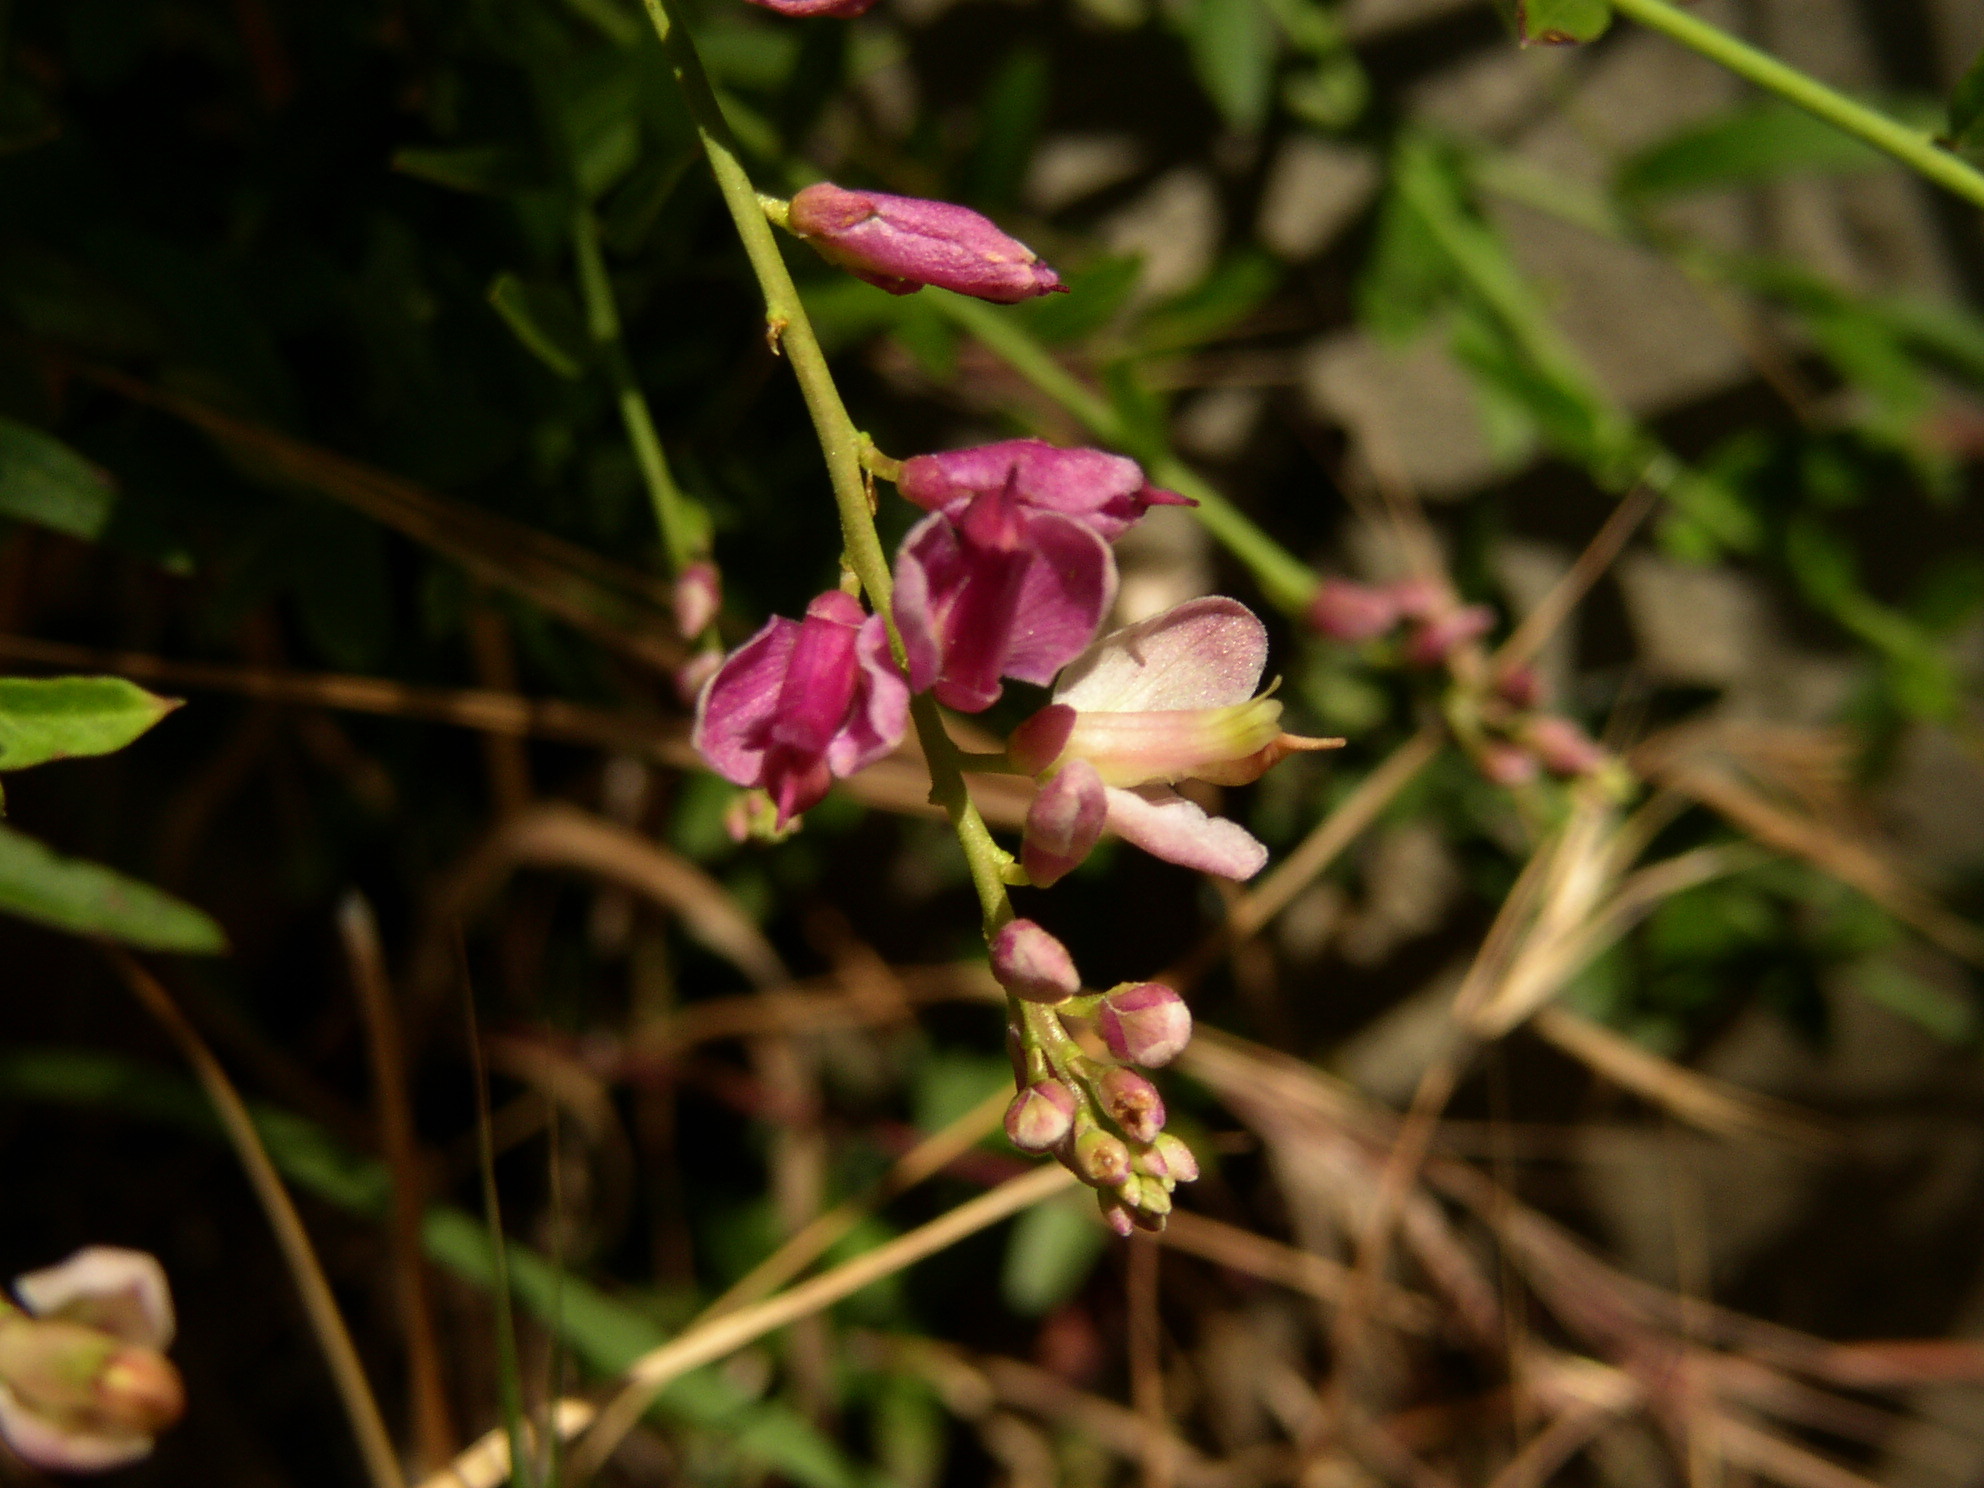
(1169, 699)
(901, 243)
(1106, 493)
(803, 703)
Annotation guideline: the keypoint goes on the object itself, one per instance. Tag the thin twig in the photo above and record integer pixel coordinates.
(1567, 593)
(427, 1394)
(654, 1371)
(375, 1445)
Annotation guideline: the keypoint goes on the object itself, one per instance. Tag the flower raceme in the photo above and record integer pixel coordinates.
(803, 703)
(901, 243)
(1171, 698)
(84, 1381)
(1011, 573)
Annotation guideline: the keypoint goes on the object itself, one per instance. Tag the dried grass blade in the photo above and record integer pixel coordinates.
(375, 1444)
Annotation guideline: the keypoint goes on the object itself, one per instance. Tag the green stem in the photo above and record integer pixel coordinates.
(785, 317)
(603, 324)
(1287, 581)
(840, 442)
(1912, 148)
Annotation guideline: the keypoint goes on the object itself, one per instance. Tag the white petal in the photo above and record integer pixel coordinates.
(48, 1445)
(123, 1292)
(1166, 825)
(1205, 653)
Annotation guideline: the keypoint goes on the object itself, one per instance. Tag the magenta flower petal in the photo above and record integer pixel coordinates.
(1166, 825)
(1205, 653)
(1106, 493)
(802, 703)
(901, 243)
(1066, 595)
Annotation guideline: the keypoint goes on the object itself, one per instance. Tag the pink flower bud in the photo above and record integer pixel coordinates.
(1507, 764)
(1133, 1103)
(1520, 687)
(1115, 1215)
(1344, 611)
(1040, 1116)
(1420, 598)
(807, 9)
(698, 596)
(1064, 823)
(1169, 1157)
(901, 243)
(1032, 964)
(1100, 1159)
(1145, 1023)
(1434, 640)
(1563, 747)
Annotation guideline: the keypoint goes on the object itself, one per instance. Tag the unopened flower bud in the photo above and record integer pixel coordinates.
(1064, 823)
(1419, 598)
(1520, 687)
(1114, 1214)
(1169, 1157)
(1145, 1023)
(698, 596)
(1099, 1158)
(1563, 747)
(1345, 611)
(901, 243)
(1033, 965)
(1133, 1103)
(1040, 1116)
(808, 9)
(1507, 764)
(1145, 1195)
(1437, 638)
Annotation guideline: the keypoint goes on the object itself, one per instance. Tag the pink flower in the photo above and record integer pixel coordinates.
(1345, 611)
(999, 590)
(1563, 747)
(1106, 493)
(805, 9)
(901, 243)
(698, 596)
(803, 703)
(84, 1381)
(1032, 965)
(1168, 699)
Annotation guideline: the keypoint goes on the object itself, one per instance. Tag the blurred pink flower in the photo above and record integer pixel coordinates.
(84, 1381)
(803, 703)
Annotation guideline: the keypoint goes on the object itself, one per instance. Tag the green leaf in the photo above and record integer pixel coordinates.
(1966, 118)
(39, 884)
(1233, 51)
(1095, 296)
(1561, 22)
(1009, 113)
(1053, 1247)
(45, 482)
(1762, 141)
(56, 718)
(547, 321)
(485, 170)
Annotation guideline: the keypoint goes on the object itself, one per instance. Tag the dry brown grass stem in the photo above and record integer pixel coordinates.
(926, 1158)
(427, 1394)
(1146, 1353)
(1298, 1270)
(375, 1444)
(1568, 593)
(485, 1463)
(647, 1376)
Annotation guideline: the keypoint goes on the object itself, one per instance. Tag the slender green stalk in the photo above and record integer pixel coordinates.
(785, 317)
(1912, 148)
(787, 323)
(603, 324)
(1283, 577)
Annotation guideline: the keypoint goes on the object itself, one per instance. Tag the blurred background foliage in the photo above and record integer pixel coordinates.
(307, 378)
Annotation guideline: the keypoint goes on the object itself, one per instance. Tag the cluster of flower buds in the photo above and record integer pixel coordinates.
(84, 1381)
(1099, 1117)
(1523, 741)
